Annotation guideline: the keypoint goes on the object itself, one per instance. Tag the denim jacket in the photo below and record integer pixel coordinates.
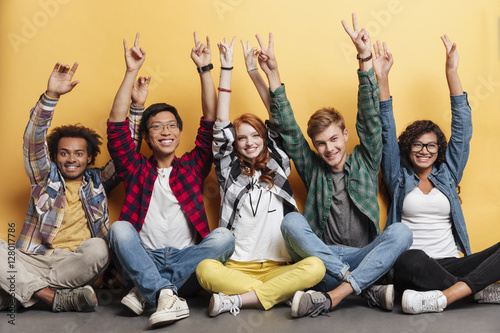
(446, 176)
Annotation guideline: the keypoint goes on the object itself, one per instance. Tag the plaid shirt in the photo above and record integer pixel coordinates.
(139, 174)
(362, 166)
(47, 201)
(234, 184)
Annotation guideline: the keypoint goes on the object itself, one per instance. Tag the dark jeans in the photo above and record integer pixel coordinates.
(414, 269)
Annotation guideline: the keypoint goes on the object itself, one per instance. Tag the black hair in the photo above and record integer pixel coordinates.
(74, 131)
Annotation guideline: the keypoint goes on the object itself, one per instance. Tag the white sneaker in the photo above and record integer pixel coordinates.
(490, 294)
(423, 301)
(134, 301)
(220, 303)
(170, 308)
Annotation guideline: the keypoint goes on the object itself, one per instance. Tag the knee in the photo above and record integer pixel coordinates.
(121, 231)
(401, 235)
(222, 239)
(410, 261)
(292, 222)
(205, 268)
(315, 267)
(94, 251)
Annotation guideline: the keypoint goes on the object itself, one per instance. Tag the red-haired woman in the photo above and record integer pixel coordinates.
(252, 171)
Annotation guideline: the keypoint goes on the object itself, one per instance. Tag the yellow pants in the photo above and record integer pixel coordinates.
(272, 281)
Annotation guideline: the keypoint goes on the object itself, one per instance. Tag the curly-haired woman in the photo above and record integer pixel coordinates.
(422, 173)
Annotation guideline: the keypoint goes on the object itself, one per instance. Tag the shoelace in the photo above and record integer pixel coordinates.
(168, 303)
(430, 302)
(68, 300)
(372, 298)
(229, 304)
(492, 294)
(319, 305)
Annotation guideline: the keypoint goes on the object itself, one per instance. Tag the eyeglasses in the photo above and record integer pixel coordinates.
(431, 147)
(160, 127)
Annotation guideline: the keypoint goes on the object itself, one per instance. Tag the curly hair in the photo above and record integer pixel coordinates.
(93, 139)
(322, 119)
(412, 133)
(152, 111)
(260, 162)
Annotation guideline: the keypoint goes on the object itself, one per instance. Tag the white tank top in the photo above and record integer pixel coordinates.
(429, 217)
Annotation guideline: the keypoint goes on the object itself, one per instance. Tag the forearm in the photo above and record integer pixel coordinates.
(454, 83)
(208, 96)
(384, 92)
(274, 80)
(368, 121)
(262, 89)
(122, 99)
(135, 115)
(365, 66)
(36, 155)
(224, 96)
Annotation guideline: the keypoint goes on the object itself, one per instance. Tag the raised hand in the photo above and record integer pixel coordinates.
(451, 53)
(60, 80)
(382, 59)
(250, 54)
(140, 90)
(226, 52)
(360, 38)
(454, 83)
(267, 59)
(200, 53)
(135, 56)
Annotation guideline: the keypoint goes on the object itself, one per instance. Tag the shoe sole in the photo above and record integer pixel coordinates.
(211, 311)
(132, 306)
(295, 303)
(389, 298)
(167, 318)
(405, 301)
(91, 298)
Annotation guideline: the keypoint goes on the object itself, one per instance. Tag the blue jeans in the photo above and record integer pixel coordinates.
(366, 265)
(154, 270)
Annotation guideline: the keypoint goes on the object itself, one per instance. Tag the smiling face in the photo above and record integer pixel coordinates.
(422, 161)
(72, 157)
(330, 145)
(165, 140)
(249, 143)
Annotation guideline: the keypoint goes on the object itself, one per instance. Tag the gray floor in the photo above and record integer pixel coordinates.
(351, 316)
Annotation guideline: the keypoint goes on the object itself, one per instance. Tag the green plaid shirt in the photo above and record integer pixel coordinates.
(362, 165)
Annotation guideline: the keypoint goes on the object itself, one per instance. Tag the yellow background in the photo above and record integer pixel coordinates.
(316, 60)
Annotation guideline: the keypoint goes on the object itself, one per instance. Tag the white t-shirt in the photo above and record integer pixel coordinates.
(429, 217)
(165, 224)
(257, 227)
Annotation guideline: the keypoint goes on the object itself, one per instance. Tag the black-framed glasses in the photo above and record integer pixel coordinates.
(431, 147)
(160, 127)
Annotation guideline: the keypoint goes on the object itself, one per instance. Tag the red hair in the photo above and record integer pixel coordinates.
(260, 162)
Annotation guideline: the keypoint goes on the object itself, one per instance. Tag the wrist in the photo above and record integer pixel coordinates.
(132, 70)
(52, 95)
(364, 57)
(206, 68)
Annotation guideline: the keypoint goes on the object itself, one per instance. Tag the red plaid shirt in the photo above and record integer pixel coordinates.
(139, 174)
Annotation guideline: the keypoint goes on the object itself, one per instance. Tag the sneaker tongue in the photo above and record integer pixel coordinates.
(166, 292)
